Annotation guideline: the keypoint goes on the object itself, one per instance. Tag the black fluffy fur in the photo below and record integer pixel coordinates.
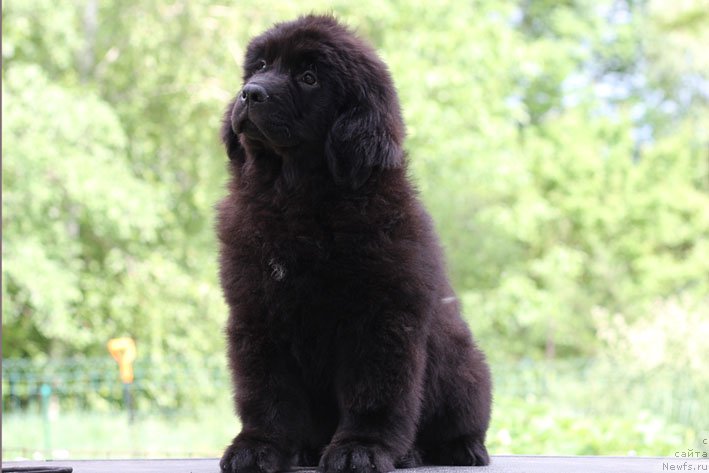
(345, 340)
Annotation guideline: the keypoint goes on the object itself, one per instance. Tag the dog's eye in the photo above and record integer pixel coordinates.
(261, 65)
(309, 78)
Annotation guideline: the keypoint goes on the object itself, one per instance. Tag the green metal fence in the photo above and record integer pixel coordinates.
(93, 384)
(168, 385)
(602, 387)
(173, 388)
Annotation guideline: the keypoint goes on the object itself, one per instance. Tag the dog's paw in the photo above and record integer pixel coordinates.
(355, 458)
(466, 450)
(308, 457)
(411, 459)
(246, 455)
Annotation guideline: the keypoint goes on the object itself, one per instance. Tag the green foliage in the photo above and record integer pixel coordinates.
(540, 427)
(107, 236)
(561, 147)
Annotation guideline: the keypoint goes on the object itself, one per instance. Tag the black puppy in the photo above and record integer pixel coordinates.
(345, 340)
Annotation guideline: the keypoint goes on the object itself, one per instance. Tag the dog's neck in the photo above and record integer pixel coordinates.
(286, 170)
(301, 171)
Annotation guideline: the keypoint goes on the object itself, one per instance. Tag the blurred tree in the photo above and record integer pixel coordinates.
(106, 231)
(562, 148)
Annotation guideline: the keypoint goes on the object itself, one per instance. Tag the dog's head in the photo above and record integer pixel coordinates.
(311, 87)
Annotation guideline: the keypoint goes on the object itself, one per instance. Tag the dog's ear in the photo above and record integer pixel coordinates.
(234, 150)
(367, 134)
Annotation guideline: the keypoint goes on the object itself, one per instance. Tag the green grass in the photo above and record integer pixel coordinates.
(521, 426)
(570, 408)
(101, 435)
(540, 427)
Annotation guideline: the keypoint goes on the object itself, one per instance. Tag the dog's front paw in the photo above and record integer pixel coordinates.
(355, 458)
(246, 455)
(466, 450)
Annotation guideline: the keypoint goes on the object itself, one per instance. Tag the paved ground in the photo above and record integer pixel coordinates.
(499, 464)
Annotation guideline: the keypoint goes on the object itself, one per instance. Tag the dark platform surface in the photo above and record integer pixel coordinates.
(499, 464)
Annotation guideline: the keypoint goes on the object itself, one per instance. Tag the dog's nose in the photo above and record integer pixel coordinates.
(253, 93)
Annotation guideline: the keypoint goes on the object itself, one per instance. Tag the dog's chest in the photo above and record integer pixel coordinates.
(303, 263)
(286, 260)
(301, 303)
(291, 255)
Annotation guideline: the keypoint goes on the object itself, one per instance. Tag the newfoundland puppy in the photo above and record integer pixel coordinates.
(345, 340)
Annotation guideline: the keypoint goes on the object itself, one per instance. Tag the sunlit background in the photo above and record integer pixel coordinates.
(561, 146)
